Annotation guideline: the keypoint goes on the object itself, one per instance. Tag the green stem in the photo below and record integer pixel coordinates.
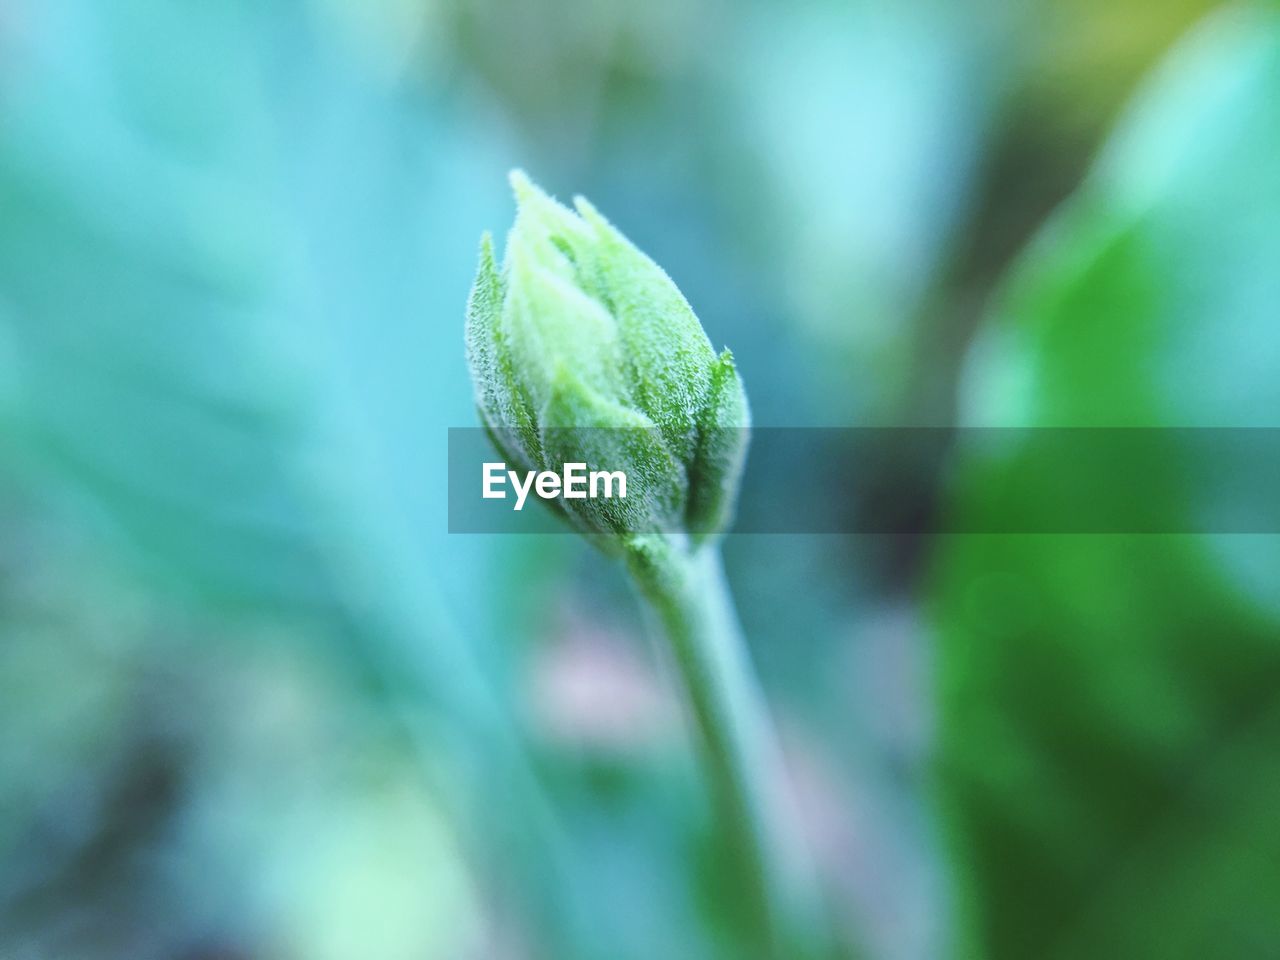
(687, 591)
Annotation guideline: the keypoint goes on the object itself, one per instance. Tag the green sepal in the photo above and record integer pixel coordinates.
(502, 399)
(667, 356)
(582, 426)
(723, 437)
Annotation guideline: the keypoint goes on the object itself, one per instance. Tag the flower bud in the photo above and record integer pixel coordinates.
(583, 350)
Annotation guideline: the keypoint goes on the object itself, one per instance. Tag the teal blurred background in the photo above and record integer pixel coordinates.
(256, 703)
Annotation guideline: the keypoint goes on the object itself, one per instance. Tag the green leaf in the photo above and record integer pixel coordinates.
(1109, 706)
(218, 281)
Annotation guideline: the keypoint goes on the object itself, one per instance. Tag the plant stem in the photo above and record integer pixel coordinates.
(687, 591)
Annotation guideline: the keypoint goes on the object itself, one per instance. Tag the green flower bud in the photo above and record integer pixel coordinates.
(583, 350)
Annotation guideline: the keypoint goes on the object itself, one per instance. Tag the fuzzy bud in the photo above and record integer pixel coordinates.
(583, 350)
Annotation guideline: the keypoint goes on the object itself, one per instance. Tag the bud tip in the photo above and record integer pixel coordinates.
(520, 182)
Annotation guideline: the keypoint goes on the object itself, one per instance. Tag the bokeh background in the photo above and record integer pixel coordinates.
(257, 704)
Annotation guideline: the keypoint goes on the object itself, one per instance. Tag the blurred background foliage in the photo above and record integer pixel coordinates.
(257, 703)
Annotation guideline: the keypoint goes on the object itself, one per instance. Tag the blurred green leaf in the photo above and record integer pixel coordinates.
(232, 268)
(1109, 756)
